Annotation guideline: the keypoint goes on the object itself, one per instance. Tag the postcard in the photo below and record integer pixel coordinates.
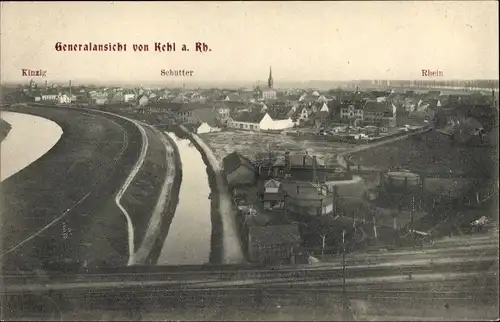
(249, 160)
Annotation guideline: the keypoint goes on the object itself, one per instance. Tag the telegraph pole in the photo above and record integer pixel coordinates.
(345, 303)
(70, 93)
(343, 262)
(412, 230)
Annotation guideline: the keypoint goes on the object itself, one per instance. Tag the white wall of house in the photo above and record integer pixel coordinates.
(267, 123)
(243, 125)
(206, 128)
(271, 94)
(354, 113)
(304, 114)
(128, 97)
(63, 99)
(143, 101)
(271, 190)
(100, 101)
(49, 97)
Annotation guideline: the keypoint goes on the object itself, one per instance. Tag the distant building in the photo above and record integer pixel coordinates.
(49, 97)
(273, 197)
(300, 167)
(270, 93)
(277, 244)
(223, 112)
(205, 127)
(379, 113)
(194, 113)
(256, 121)
(239, 170)
(233, 97)
(100, 101)
(63, 99)
(143, 100)
(304, 199)
(351, 112)
(128, 97)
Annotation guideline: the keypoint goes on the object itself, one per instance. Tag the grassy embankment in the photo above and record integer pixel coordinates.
(171, 206)
(89, 157)
(141, 196)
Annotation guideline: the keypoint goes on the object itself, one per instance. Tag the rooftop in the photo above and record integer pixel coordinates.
(305, 190)
(248, 116)
(234, 160)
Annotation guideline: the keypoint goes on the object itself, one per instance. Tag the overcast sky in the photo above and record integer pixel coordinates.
(301, 40)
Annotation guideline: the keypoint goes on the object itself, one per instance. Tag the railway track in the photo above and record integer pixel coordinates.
(165, 281)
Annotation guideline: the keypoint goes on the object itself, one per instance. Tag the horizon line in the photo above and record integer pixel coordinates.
(250, 81)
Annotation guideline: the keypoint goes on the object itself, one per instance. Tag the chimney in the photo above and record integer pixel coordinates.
(314, 169)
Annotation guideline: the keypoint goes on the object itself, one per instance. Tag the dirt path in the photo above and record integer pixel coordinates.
(128, 181)
(232, 249)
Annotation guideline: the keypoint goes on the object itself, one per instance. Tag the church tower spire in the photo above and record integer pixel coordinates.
(270, 82)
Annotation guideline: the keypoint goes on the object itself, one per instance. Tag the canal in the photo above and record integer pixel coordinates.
(189, 237)
(29, 139)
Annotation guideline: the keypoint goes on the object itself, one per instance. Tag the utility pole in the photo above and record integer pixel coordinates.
(70, 93)
(343, 262)
(345, 303)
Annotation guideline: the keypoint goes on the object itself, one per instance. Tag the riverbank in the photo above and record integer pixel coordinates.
(226, 245)
(55, 211)
(4, 129)
(171, 202)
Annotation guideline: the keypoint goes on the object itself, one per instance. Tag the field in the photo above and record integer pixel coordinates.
(249, 143)
(431, 153)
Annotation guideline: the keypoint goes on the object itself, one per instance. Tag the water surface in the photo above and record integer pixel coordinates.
(188, 239)
(30, 138)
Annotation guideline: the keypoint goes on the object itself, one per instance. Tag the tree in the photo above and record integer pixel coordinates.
(323, 226)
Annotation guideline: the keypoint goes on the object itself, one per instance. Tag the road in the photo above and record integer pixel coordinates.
(58, 207)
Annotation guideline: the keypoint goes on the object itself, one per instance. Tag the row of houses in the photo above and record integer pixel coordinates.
(369, 112)
(270, 242)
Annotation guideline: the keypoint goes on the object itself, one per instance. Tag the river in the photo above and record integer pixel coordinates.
(189, 237)
(29, 139)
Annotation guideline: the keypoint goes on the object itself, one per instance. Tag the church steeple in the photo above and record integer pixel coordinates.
(270, 82)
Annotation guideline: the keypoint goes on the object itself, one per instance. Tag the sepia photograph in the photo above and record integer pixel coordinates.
(249, 161)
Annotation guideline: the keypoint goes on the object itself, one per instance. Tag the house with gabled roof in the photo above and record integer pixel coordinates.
(233, 97)
(379, 113)
(239, 170)
(255, 120)
(275, 244)
(272, 197)
(351, 111)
